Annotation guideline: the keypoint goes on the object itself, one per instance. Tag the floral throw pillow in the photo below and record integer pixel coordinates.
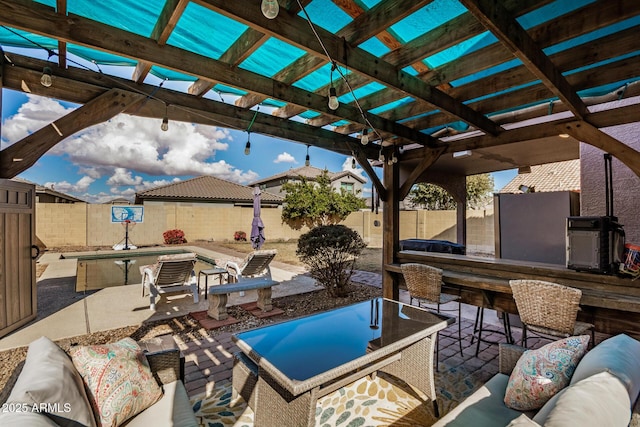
(541, 373)
(118, 378)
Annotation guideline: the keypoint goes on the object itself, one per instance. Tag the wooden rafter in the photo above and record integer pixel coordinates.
(41, 20)
(61, 7)
(293, 30)
(519, 42)
(171, 13)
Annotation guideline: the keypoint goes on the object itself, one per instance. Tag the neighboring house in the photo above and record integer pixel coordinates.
(49, 195)
(206, 189)
(559, 176)
(118, 201)
(344, 180)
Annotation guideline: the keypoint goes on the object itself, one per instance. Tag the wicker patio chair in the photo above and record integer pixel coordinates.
(548, 310)
(424, 284)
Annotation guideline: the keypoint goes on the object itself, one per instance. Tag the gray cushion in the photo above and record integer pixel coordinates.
(173, 409)
(49, 378)
(619, 355)
(25, 419)
(484, 408)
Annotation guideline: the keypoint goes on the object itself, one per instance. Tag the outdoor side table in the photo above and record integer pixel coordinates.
(218, 271)
(164, 357)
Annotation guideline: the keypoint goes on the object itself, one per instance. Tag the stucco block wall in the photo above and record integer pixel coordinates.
(626, 206)
(61, 224)
(90, 225)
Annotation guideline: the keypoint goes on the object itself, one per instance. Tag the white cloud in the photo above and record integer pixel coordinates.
(33, 115)
(81, 186)
(123, 177)
(285, 158)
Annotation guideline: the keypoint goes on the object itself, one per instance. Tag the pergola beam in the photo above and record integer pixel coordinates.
(497, 19)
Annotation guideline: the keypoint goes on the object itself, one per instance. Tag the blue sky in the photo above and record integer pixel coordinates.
(131, 154)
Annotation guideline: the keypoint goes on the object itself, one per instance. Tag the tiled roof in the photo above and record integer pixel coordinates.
(207, 188)
(309, 172)
(560, 176)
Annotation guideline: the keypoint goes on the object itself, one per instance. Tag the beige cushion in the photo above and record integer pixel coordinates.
(523, 421)
(619, 355)
(541, 373)
(173, 409)
(49, 377)
(600, 400)
(484, 408)
(25, 419)
(118, 379)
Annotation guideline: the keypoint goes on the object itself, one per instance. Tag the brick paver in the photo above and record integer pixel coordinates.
(209, 361)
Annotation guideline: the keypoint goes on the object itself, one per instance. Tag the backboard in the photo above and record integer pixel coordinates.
(127, 213)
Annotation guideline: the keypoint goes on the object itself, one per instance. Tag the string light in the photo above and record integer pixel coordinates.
(45, 80)
(364, 139)
(270, 8)
(381, 155)
(353, 163)
(165, 120)
(307, 160)
(333, 99)
(247, 147)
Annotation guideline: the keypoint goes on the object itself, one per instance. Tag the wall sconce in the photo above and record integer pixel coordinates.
(461, 154)
(526, 189)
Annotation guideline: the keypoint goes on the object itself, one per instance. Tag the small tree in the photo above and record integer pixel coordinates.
(330, 251)
(314, 203)
(433, 197)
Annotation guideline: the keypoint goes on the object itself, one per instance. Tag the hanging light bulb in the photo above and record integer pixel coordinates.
(45, 80)
(270, 8)
(307, 160)
(333, 99)
(381, 156)
(364, 139)
(353, 163)
(165, 120)
(394, 158)
(247, 147)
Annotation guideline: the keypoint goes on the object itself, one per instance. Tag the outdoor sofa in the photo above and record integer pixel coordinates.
(103, 385)
(602, 390)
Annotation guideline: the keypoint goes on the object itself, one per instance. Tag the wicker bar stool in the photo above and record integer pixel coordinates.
(548, 310)
(424, 284)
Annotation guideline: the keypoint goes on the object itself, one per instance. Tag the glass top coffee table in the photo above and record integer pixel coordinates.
(303, 359)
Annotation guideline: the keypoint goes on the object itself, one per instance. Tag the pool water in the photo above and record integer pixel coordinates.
(100, 273)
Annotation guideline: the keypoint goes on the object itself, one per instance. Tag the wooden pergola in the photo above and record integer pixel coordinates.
(534, 112)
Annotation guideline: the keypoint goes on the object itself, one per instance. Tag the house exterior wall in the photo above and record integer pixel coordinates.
(625, 183)
(90, 225)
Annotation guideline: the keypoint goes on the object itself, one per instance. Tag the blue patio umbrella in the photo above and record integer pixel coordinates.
(257, 227)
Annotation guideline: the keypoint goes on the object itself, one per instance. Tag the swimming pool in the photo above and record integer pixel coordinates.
(104, 271)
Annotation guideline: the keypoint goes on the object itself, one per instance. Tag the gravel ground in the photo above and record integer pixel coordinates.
(185, 326)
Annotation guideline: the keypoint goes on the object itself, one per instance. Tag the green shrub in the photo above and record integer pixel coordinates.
(330, 252)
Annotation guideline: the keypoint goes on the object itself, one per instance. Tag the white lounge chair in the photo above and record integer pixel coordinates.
(170, 274)
(256, 264)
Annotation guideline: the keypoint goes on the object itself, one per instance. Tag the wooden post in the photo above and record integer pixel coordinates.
(390, 229)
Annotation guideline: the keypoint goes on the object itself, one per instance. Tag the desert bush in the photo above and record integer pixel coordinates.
(174, 237)
(330, 252)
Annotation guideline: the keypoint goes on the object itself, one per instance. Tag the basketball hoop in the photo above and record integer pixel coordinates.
(126, 243)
